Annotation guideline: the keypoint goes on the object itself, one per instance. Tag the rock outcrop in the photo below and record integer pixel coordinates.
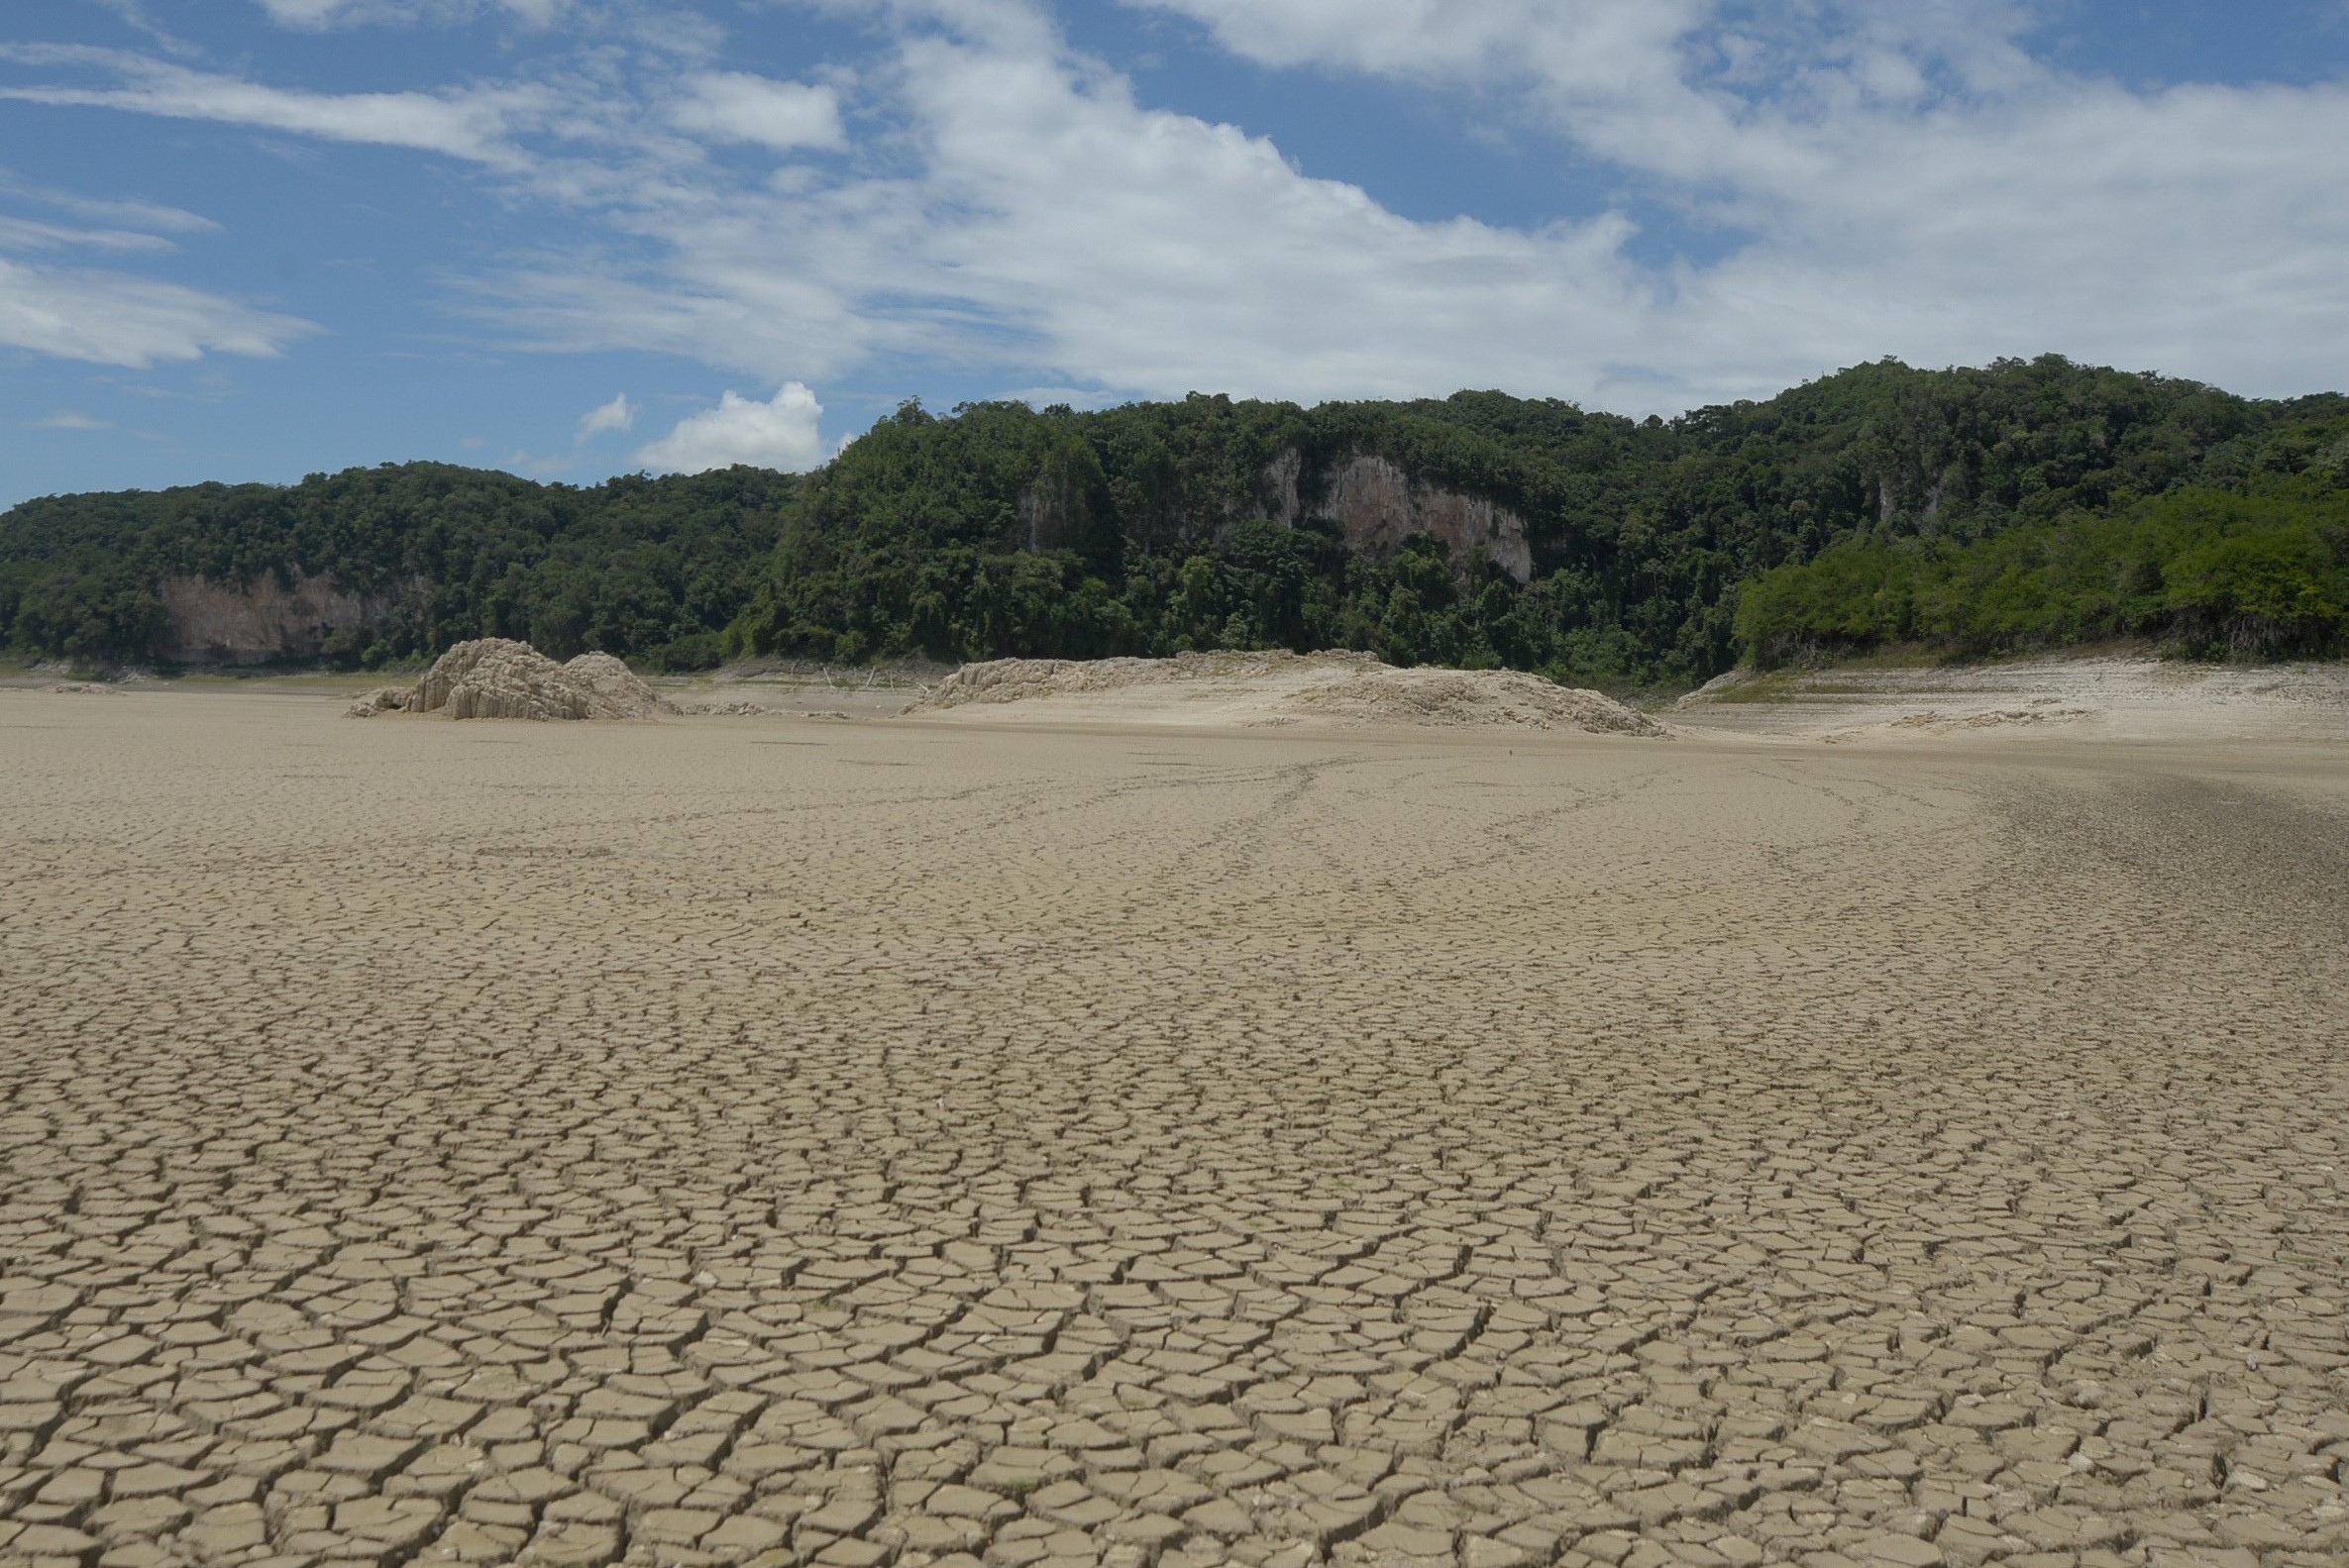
(494, 678)
(1377, 505)
(269, 619)
(1374, 502)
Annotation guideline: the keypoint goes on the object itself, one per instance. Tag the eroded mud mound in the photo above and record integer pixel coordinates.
(1022, 679)
(616, 686)
(1345, 690)
(1387, 696)
(495, 677)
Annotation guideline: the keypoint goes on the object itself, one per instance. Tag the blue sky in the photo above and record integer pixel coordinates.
(253, 239)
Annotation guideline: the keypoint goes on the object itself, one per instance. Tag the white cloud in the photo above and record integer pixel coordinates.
(67, 419)
(471, 125)
(152, 217)
(23, 234)
(1144, 249)
(1864, 178)
(605, 417)
(1880, 181)
(1597, 52)
(306, 13)
(731, 106)
(107, 318)
(1887, 179)
(1442, 37)
(777, 434)
(113, 318)
(318, 15)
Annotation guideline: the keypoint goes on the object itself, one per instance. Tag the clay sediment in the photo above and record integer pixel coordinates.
(894, 1145)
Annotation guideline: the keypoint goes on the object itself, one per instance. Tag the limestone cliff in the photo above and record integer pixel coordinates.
(1377, 505)
(265, 620)
(1051, 515)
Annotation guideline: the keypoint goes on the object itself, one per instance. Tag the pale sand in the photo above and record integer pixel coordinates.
(2091, 696)
(1269, 690)
(761, 1140)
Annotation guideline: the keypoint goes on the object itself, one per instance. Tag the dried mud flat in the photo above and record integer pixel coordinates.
(862, 1144)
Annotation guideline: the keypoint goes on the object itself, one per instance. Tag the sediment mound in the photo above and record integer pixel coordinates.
(1938, 724)
(495, 677)
(1338, 690)
(1719, 687)
(616, 685)
(383, 699)
(1022, 679)
(725, 711)
(1388, 695)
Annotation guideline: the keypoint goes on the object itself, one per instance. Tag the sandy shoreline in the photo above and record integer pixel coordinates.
(2089, 696)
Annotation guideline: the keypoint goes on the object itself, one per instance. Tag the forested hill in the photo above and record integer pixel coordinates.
(1478, 529)
(376, 564)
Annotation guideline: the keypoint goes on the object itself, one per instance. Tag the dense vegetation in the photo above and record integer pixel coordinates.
(2207, 572)
(1643, 532)
(653, 568)
(1976, 507)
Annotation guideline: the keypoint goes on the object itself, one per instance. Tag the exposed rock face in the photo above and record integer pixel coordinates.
(1051, 515)
(216, 623)
(1373, 500)
(1281, 477)
(494, 678)
(1376, 507)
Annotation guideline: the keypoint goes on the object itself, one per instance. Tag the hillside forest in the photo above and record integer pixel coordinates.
(2023, 504)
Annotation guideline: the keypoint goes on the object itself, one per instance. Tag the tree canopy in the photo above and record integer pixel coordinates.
(650, 568)
(1977, 506)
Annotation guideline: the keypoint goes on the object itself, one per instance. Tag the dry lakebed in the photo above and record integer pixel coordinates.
(1814, 1135)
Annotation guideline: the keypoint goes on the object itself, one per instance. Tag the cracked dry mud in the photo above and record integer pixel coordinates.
(785, 1143)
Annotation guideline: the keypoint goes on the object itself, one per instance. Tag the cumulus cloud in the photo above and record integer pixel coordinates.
(1146, 248)
(108, 318)
(1874, 181)
(1880, 180)
(780, 433)
(1864, 180)
(1056, 225)
(607, 417)
(732, 106)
